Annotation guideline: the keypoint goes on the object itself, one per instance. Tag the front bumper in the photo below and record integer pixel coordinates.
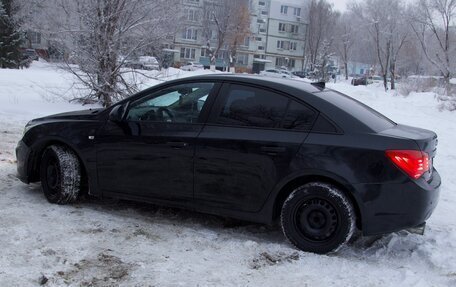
(23, 161)
(388, 208)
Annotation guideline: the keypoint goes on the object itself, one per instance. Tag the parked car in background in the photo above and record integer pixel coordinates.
(359, 81)
(192, 66)
(30, 54)
(254, 148)
(148, 63)
(140, 63)
(276, 73)
(299, 74)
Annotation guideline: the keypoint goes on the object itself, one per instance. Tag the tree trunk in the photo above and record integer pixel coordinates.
(346, 70)
(446, 78)
(393, 74)
(385, 81)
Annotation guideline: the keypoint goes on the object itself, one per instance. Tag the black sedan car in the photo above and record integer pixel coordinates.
(252, 148)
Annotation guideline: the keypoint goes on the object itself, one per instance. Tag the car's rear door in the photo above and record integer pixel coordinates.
(150, 154)
(247, 146)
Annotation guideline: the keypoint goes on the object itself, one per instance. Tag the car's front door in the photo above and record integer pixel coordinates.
(150, 153)
(247, 146)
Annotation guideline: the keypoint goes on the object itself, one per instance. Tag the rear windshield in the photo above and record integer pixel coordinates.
(370, 117)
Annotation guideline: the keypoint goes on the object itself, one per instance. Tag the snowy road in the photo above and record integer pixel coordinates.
(110, 243)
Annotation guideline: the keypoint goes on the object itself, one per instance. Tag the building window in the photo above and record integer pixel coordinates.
(262, 3)
(259, 56)
(203, 52)
(283, 44)
(246, 41)
(259, 39)
(297, 12)
(188, 53)
(294, 29)
(190, 34)
(261, 48)
(264, 12)
(222, 55)
(285, 62)
(291, 63)
(242, 59)
(287, 45)
(34, 37)
(288, 28)
(191, 15)
(262, 30)
(284, 9)
(293, 46)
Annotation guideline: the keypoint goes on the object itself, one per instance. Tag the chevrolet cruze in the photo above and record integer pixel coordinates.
(248, 147)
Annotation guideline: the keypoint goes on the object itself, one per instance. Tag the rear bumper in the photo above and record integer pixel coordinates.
(23, 161)
(388, 208)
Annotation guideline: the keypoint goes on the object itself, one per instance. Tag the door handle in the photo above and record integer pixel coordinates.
(273, 149)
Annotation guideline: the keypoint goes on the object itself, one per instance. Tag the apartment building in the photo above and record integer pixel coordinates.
(277, 40)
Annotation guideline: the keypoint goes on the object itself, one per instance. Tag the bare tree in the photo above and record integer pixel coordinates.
(240, 30)
(382, 21)
(100, 35)
(431, 22)
(322, 21)
(345, 39)
(225, 25)
(399, 35)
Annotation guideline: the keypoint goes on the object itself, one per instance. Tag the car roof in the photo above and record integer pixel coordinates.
(274, 83)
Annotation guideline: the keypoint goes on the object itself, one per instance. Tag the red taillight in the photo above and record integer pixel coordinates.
(413, 162)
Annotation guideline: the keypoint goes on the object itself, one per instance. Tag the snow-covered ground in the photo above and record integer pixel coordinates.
(111, 243)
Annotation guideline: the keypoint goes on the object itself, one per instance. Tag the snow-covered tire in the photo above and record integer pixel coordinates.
(318, 217)
(60, 174)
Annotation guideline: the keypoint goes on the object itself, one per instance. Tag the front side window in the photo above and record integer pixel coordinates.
(181, 104)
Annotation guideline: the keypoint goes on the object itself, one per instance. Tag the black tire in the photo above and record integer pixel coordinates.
(60, 174)
(318, 217)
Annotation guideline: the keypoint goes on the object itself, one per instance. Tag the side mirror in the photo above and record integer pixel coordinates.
(117, 113)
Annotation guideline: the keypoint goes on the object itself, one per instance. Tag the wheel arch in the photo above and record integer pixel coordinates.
(38, 149)
(287, 187)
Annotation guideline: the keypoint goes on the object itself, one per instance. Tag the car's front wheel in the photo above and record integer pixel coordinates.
(318, 217)
(60, 174)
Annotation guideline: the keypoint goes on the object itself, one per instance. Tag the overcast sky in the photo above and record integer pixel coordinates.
(339, 4)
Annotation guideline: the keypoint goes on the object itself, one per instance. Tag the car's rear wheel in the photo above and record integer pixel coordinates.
(60, 174)
(318, 217)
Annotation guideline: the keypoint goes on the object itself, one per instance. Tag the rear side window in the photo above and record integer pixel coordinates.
(255, 107)
(370, 117)
(298, 117)
(248, 106)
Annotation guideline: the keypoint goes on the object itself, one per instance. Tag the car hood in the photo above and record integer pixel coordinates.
(89, 114)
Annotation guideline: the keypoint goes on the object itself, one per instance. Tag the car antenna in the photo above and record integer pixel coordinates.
(320, 85)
